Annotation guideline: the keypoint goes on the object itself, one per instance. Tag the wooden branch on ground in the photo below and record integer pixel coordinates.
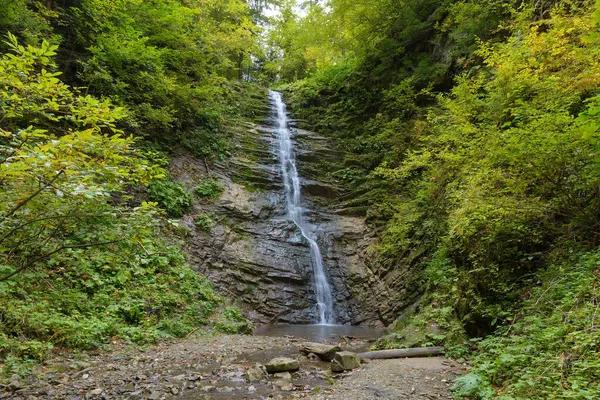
(402, 353)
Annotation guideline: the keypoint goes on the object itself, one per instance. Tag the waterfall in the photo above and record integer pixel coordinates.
(291, 183)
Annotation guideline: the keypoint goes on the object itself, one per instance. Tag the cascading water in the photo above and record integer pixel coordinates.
(291, 183)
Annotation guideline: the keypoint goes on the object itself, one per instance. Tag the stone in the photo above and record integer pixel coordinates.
(95, 392)
(312, 357)
(282, 364)
(193, 377)
(256, 373)
(283, 375)
(286, 386)
(323, 351)
(154, 396)
(345, 361)
(15, 383)
(174, 391)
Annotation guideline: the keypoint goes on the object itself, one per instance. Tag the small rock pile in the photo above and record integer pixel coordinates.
(340, 360)
(280, 369)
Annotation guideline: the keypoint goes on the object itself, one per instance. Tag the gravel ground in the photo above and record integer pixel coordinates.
(214, 367)
(408, 378)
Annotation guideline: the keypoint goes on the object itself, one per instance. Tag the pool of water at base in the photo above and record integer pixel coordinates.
(320, 333)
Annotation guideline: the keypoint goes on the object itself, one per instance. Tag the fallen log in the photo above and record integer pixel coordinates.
(402, 353)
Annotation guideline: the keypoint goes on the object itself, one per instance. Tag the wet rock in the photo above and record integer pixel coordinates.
(254, 253)
(320, 189)
(256, 373)
(282, 364)
(345, 361)
(207, 389)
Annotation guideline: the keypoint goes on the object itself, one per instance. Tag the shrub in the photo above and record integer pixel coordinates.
(171, 196)
(208, 189)
(204, 222)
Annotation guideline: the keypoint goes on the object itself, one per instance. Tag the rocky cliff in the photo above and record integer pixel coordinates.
(255, 255)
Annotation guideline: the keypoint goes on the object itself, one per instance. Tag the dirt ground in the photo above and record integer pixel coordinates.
(215, 367)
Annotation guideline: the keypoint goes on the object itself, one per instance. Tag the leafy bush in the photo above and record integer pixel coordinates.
(233, 322)
(205, 143)
(203, 221)
(208, 189)
(171, 196)
(550, 349)
(78, 266)
(483, 191)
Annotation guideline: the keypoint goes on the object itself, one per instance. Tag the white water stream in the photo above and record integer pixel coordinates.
(291, 183)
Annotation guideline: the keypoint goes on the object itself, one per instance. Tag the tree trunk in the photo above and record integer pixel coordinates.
(402, 353)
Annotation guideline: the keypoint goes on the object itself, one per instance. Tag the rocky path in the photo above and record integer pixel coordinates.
(409, 378)
(225, 367)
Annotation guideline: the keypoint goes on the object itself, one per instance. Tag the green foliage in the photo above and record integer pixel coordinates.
(81, 261)
(208, 189)
(550, 348)
(179, 68)
(30, 21)
(471, 134)
(233, 322)
(203, 222)
(175, 62)
(171, 196)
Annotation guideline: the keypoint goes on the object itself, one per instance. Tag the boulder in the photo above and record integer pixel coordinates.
(282, 364)
(323, 351)
(345, 361)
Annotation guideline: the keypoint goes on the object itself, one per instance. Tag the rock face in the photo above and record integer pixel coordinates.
(282, 364)
(255, 255)
(345, 361)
